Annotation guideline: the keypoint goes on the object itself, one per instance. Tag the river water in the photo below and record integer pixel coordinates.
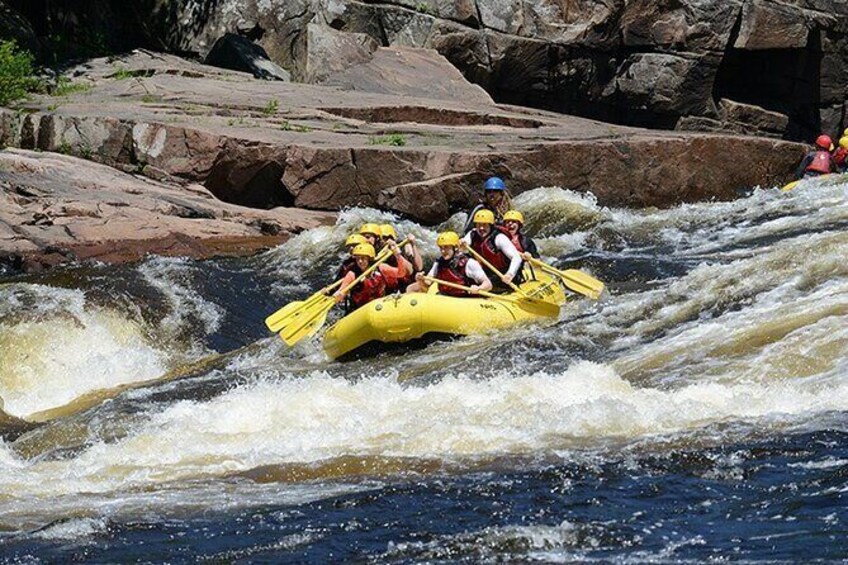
(699, 411)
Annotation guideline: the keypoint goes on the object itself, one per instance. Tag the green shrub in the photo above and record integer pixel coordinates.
(66, 87)
(271, 108)
(16, 73)
(396, 139)
(122, 73)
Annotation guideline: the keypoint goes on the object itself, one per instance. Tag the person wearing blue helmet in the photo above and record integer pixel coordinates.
(495, 198)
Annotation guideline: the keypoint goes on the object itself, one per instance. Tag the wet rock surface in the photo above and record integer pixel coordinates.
(58, 208)
(184, 130)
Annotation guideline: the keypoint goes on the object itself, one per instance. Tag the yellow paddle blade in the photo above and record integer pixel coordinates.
(279, 319)
(790, 186)
(536, 306)
(309, 322)
(582, 283)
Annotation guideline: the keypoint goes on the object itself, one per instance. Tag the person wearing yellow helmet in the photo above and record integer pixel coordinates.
(840, 156)
(373, 234)
(412, 257)
(513, 224)
(496, 248)
(495, 198)
(454, 267)
(350, 243)
(374, 285)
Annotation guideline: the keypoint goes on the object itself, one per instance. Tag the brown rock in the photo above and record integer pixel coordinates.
(324, 148)
(329, 52)
(56, 208)
(768, 25)
(405, 71)
(754, 116)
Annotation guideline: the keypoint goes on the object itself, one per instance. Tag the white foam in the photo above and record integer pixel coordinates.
(306, 420)
(69, 349)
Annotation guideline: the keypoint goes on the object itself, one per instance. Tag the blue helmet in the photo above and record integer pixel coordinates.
(494, 183)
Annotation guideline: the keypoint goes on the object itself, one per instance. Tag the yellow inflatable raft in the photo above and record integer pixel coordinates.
(405, 317)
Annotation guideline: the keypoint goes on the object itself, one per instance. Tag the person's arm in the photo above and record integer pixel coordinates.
(469, 223)
(465, 241)
(805, 162)
(416, 260)
(506, 247)
(343, 288)
(425, 284)
(475, 272)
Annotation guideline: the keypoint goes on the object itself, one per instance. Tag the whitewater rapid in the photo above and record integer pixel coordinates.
(722, 320)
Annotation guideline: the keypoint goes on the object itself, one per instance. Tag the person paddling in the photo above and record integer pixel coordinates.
(350, 243)
(513, 224)
(373, 235)
(374, 285)
(495, 198)
(453, 267)
(496, 248)
(819, 161)
(412, 260)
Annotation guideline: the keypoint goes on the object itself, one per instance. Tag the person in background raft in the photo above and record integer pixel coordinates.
(840, 156)
(374, 285)
(351, 242)
(495, 247)
(495, 198)
(513, 223)
(819, 161)
(454, 267)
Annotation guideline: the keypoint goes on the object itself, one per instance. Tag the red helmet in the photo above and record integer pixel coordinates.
(824, 142)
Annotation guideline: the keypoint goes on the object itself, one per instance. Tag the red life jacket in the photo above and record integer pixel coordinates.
(371, 288)
(821, 163)
(519, 240)
(839, 157)
(453, 271)
(489, 251)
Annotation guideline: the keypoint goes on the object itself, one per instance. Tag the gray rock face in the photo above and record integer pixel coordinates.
(581, 56)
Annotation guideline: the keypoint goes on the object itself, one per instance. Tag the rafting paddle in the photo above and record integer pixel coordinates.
(538, 307)
(575, 280)
(538, 304)
(313, 316)
(293, 310)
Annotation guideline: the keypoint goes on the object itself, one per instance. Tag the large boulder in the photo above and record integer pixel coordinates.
(240, 54)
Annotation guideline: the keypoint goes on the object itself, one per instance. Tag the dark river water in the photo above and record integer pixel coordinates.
(698, 412)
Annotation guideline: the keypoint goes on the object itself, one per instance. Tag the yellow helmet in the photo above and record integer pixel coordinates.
(843, 143)
(514, 215)
(447, 238)
(386, 230)
(845, 133)
(365, 250)
(484, 217)
(370, 229)
(354, 239)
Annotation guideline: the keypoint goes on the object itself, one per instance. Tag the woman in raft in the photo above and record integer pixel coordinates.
(453, 267)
